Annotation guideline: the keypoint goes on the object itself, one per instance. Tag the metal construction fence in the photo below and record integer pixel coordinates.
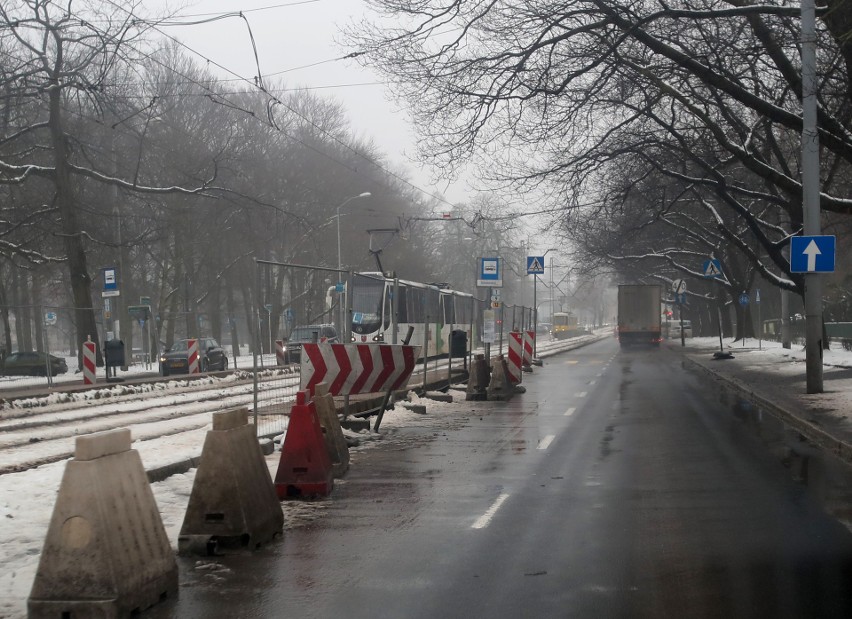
(39, 343)
(296, 301)
(289, 298)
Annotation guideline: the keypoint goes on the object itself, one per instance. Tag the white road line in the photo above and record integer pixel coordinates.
(592, 382)
(485, 518)
(546, 441)
(580, 394)
(570, 411)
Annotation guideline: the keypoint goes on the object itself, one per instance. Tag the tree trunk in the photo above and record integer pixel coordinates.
(81, 282)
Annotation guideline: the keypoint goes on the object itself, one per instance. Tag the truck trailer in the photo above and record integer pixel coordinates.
(639, 317)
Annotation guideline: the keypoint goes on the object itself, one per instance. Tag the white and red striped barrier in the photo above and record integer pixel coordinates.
(192, 356)
(89, 360)
(529, 343)
(351, 369)
(515, 357)
(280, 357)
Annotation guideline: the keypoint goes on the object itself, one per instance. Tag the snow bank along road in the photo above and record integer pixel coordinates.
(42, 429)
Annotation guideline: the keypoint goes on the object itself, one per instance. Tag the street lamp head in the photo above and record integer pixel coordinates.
(366, 194)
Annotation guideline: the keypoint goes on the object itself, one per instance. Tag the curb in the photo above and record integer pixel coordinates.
(814, 434)
(162, 473)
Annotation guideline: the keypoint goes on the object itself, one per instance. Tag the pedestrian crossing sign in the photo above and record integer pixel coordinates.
(535, 265)
(712, 268)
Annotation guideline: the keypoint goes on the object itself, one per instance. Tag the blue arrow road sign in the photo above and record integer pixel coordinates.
(535, 265)
(812, 254)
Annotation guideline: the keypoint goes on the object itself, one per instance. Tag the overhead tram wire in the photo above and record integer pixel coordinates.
(257, 83)
(277, 101)
(274, 100)
(217, 98)
(260, 8)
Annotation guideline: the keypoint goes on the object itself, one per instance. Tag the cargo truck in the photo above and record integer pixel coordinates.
(639, 318)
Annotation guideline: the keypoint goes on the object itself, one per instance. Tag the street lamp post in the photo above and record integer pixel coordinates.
(366, 194)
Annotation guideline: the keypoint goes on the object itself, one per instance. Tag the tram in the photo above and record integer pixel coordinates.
(432, 310)
(565, 325)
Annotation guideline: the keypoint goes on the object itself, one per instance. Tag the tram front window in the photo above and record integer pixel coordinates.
(367, 294)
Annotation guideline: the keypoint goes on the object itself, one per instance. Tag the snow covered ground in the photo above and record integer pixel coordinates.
(27, 498)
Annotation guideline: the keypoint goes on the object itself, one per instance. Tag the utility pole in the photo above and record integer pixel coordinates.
(810, 197)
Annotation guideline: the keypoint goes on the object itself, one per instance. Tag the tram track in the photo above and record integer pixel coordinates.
(43, 432)
(46, 436)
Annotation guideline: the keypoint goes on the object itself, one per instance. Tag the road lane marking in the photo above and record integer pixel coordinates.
(580, 394)
(592, 382)
(485, 518)
(546, 441)
(570, 411)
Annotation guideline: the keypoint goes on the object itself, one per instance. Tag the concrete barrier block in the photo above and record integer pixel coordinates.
(233, 504)
(227, 420)
(338, 451)
(106, 553)
(478, 379)
(500, 387)
(100, 444)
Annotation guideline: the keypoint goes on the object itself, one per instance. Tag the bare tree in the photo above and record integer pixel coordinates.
(563, 96)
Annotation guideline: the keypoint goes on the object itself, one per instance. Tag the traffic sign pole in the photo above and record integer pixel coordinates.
(810, 196)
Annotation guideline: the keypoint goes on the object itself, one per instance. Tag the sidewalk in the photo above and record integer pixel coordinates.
(774, 379)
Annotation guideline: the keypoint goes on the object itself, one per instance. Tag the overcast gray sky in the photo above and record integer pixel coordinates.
(292, 37)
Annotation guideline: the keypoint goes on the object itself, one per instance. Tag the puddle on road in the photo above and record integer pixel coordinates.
(825, 478)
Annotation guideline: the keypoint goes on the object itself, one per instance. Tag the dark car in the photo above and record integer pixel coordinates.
(211, 357)
(33, 364)
(305, 335)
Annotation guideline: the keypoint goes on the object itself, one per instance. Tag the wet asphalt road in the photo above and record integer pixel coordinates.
(619, 485)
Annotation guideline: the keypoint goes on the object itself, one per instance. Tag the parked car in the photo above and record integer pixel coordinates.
(687, 329)
(211, 357)
(305, 335)
(28, 363)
